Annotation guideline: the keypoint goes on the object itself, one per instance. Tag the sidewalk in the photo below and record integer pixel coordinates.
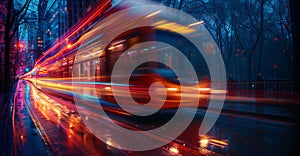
(6, 133)
(18, 133)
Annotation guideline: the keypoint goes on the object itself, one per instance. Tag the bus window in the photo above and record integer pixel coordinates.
(86, 69)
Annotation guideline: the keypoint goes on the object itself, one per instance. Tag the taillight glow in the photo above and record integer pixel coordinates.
(174, 150)
(172, 89)
(107, 88)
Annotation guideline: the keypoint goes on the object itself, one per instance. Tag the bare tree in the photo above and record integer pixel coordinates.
(245, 32)
(13, 19)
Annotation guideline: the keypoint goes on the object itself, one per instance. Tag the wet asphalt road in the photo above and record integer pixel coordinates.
(49, 125)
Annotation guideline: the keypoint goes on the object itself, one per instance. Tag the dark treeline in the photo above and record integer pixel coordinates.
(12, 15)
(254, 36)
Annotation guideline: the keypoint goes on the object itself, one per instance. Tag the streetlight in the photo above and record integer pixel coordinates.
(20, 45)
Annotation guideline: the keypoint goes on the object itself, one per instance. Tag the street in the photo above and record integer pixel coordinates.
(149, 77)
(48, 124)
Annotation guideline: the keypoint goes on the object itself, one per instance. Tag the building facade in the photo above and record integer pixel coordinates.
(55, 24)
(78, 9)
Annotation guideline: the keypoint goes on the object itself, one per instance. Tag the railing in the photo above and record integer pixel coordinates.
(277, 89)
(275, 98)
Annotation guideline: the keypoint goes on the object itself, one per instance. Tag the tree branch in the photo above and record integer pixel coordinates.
(24, 7)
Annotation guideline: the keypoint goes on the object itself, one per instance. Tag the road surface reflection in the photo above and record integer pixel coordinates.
(64, 132)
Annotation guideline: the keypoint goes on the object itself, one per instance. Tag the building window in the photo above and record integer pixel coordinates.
(88, 8)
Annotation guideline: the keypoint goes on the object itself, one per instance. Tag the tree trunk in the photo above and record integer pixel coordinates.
(249, 69)
(7, 78)
(261, 47)
(294, 6)
(7, 48)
